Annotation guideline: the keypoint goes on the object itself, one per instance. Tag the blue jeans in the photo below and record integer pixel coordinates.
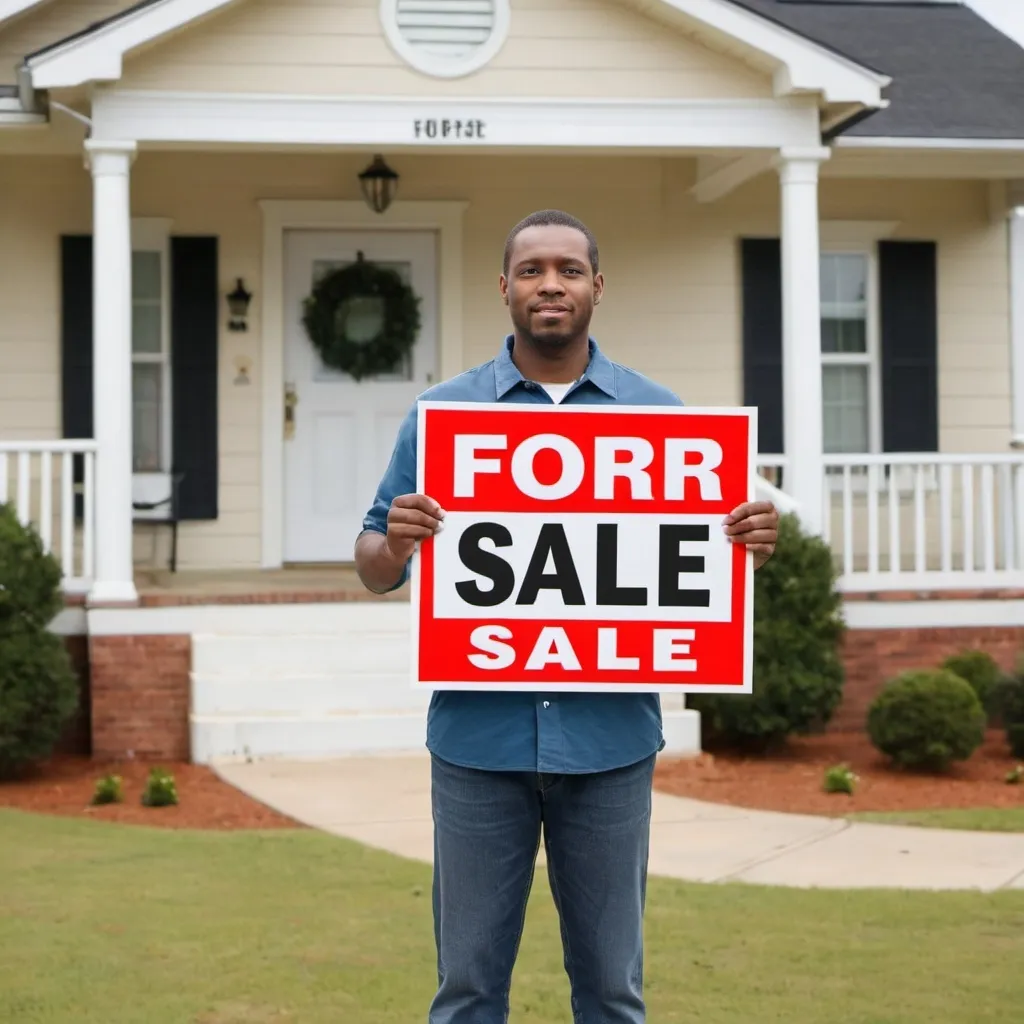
(487, 830)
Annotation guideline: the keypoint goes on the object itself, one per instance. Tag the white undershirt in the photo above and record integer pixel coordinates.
(557, 391)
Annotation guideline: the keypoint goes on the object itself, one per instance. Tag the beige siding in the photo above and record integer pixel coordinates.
(671, 307)
(555, 47)
(52, 22)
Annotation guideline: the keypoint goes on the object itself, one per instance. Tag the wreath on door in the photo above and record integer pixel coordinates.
(362, 319)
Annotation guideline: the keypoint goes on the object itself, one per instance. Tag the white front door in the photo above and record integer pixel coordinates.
(344, 430)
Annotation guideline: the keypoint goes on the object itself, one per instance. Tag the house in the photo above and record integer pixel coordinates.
(811, 206)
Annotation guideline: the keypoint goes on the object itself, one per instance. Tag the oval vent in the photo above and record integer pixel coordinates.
(446, 38)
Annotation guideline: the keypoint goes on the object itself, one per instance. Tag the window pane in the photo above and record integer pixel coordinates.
(845, 408)
(851, 278)
(147, 417)
(146, 275)
(839, 335)
(147, 328)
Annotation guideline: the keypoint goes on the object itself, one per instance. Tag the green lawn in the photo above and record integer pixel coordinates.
(980, 819)
(106, 924)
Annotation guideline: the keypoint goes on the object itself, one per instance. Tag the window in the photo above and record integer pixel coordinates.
(849, 369)
(151, 366)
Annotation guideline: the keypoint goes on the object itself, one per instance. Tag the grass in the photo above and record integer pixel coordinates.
(108, 924)
(977, 819)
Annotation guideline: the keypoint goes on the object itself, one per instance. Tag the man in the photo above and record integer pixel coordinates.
(509, 768)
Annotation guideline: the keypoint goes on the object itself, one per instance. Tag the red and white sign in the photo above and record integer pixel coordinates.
(583, 548)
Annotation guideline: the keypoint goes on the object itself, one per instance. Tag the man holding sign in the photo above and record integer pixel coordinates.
(561, 560)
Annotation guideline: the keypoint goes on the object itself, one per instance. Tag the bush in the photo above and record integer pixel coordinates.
(160, 789)
(927, 719)
(798, 673)
(38, 687)
(108, 790)
(30, 594)
(979, 669)
(1008, 704)
(840, 779)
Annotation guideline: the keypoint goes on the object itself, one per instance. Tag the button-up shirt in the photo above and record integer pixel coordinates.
(529, 731)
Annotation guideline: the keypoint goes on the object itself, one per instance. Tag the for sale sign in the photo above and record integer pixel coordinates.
(583, 548)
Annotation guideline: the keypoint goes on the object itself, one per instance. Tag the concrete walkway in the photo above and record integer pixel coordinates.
(385, 802)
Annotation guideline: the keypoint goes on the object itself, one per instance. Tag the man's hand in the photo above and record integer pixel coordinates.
(411, 518)
(755, 524)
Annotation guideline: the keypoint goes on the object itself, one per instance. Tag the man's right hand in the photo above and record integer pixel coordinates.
(411, 518)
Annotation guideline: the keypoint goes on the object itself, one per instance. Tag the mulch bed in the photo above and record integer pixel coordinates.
(65, 786)
(792, 779)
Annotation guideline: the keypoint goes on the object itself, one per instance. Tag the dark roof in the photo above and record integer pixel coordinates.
(953, 74)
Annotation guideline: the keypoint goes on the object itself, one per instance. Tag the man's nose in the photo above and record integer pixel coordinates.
(551, 284)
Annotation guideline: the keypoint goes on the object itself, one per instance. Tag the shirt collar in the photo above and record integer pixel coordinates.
(600, 370)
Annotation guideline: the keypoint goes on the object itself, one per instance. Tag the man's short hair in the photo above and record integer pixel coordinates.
(545, 218)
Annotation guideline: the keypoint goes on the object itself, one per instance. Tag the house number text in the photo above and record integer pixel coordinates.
(443, 128)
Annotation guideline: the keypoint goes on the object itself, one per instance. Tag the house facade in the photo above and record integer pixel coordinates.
(816, 208)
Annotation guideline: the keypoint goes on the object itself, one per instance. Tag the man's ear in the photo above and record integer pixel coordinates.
(503, 288)
(598, 287)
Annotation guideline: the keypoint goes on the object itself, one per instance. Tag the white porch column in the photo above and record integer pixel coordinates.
(801, 331)
(112, 376)
(1016, 243)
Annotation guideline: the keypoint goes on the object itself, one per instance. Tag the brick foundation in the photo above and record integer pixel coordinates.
(140, 696)
(873, 656)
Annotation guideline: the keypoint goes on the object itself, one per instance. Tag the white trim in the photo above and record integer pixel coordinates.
(445, 217)
(249, 619)
(932, 614)
(443, 67)
(1015, 244)
(806, 66)
(803, 66)
(396, 121)
(896, 142)
(309, 619)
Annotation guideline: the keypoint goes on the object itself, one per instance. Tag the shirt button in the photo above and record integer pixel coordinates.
(547, 703)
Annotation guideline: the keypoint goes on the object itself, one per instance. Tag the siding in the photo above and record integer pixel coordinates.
(555, 47)
(671, 307)
(51, 22)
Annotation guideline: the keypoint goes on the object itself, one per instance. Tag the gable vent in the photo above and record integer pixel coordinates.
(446, 38)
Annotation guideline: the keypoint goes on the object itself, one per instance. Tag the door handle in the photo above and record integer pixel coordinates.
(291, 399)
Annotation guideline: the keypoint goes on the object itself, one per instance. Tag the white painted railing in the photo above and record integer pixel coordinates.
(37, 479)
(924, 521)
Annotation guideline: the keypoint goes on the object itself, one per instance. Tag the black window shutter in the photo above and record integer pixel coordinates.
(761, 269)
(76, 345)
(194, 334)
(909, 342)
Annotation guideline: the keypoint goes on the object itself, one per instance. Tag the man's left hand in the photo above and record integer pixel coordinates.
(755, 524)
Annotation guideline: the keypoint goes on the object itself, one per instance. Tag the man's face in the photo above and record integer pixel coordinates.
(551, 289)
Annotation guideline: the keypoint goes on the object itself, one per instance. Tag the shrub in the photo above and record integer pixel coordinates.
(979, 669)
(160, 789)
(30, 593)
(38, 687)
(798, 673)
(108, 790)
(927, 719)
(840, 779)
(1008, 704)
(38, 697)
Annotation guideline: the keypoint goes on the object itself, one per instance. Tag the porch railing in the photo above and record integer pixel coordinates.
(920, 521)
(38, 479)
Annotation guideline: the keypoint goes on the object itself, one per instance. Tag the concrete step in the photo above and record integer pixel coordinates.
(304, 695)
(217, 737)
(344, 652)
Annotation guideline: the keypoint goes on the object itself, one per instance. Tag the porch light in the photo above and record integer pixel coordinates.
(238, 303)
(379, 183)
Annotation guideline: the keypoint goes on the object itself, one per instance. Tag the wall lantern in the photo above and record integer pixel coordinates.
(238, 303)
(379, 183)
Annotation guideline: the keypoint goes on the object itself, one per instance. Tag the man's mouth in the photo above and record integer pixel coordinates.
(551, 310)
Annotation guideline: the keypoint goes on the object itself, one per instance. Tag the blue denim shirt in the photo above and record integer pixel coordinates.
(534, 732)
